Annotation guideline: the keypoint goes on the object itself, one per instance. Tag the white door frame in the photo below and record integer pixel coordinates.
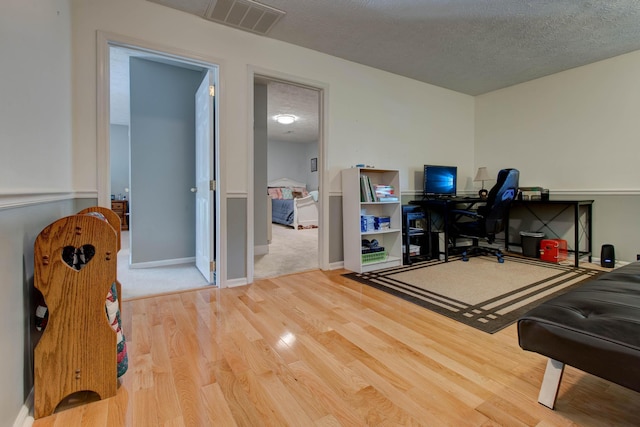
(104, 41)
(323, 196)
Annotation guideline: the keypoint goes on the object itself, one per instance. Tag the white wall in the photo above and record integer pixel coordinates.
(368, 111)
(410, 122)
(289, 160)
(576, 130)
(35, 114)
(35, 162)
(578, 134)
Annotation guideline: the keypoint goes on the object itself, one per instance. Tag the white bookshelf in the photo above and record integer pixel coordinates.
(353, 207)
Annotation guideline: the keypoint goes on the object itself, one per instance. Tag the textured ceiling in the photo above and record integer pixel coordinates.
(470, 46)
(301, 102)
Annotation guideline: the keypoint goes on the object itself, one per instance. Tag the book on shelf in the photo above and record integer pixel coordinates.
(382, 222)
(367, 193)
(376, 192)
(385, 193)
(363, 189)
(384, 190)
(367, 223)
(366, 250)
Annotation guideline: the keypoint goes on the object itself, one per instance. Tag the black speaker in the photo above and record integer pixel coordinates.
(608, 256)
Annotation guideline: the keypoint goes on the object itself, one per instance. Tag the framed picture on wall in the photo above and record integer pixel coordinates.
(314, 164)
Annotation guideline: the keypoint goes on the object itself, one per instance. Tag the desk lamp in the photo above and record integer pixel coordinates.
(482, 175)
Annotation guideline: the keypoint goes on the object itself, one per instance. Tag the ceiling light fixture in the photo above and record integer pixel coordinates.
(285, 119)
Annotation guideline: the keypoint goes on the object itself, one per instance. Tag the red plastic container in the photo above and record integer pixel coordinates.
(553, 250)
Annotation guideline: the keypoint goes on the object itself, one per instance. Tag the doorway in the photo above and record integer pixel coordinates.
(286, 154)
(147, 204)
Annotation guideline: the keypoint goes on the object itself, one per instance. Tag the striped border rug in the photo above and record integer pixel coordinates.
(481, 292)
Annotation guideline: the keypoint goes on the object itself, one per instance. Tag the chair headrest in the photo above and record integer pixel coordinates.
(505, 188)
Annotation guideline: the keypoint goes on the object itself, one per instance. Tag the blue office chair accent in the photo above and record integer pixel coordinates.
(488, 220)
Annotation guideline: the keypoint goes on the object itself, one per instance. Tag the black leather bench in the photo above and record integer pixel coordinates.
(594, 328)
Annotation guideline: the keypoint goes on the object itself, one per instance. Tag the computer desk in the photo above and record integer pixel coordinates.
(582, 222)
(582, 210)
(443, 206)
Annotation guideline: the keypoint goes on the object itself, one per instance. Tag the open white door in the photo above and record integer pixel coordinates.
(205, 183)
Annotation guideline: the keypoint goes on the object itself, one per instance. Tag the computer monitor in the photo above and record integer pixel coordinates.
(440, 180)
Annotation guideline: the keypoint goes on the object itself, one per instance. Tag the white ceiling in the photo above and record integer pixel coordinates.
(470, 46)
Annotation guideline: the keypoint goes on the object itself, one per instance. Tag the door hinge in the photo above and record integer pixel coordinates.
(212, 185)
(212, 91)
(212, 266)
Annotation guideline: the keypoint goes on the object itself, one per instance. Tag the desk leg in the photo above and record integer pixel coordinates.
(506, 233)
(589, 230)
(430, 234)
(446, 235)
(407, 240)
(576, 233)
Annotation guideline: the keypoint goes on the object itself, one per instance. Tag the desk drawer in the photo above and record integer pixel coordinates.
(120, 208)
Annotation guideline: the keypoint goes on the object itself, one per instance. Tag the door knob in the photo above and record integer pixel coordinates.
(194, 189)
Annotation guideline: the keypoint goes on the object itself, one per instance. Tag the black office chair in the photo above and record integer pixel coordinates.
(488, 220)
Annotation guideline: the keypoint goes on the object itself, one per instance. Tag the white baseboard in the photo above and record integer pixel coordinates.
(25, 416)
(336, 265)
(236, 282)
(163, 263)
(261, 250)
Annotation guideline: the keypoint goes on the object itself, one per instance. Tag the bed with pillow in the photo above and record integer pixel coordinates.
(292, 204)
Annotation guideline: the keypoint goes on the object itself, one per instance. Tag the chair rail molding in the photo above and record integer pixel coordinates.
(19, 198)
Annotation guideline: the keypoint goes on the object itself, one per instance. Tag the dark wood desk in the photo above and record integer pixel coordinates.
(443, 206)
(582, 222)
(581, 209)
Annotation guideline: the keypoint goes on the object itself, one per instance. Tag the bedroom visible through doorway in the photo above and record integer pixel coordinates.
(286, 177)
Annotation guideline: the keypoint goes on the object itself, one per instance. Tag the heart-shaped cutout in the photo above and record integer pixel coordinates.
(77, 258)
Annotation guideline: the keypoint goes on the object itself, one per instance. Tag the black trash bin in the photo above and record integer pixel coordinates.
(531, 243)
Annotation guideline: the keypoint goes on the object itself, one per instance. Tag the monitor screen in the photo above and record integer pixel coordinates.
(440, 180)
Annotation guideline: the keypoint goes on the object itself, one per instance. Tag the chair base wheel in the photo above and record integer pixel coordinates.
(466, 254)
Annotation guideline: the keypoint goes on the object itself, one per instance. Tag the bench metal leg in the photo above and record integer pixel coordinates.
(551, 383)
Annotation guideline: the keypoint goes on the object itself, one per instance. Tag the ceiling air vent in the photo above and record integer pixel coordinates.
(244, 14)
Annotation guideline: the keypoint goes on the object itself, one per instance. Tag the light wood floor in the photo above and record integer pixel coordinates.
(315, 349)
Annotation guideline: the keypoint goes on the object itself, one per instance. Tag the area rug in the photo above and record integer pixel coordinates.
(481, 292)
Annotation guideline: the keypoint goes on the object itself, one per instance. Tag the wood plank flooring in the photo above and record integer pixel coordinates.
(316, 349)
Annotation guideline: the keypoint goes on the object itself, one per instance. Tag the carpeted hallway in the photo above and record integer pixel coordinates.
(290, 251)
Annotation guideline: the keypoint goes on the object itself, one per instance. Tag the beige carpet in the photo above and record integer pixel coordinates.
(290, 251)
(481, 292)
(143, 282)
